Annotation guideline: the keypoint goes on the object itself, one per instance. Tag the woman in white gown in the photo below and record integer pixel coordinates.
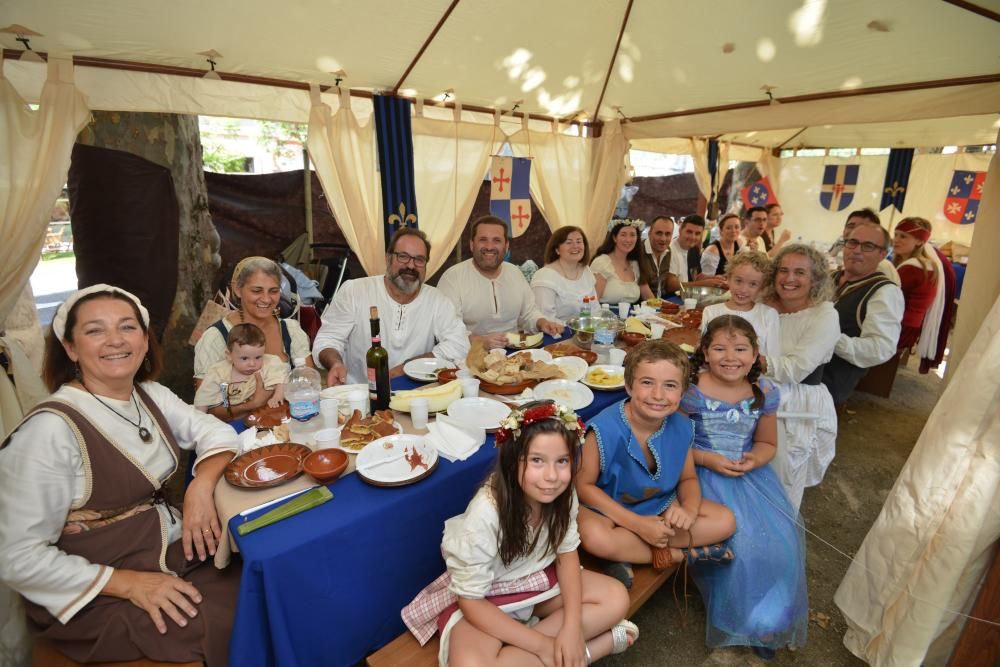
(799, 288)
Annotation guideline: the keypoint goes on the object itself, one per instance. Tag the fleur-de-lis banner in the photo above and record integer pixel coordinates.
(897, 178)
(395, 159)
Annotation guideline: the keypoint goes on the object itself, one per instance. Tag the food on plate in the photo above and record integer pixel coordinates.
(358, 431)
(497, 368)
(654, 302)
(438, 397)
(280, 433)
(446, 374)
(570, 350)
(523, 339)
(414, 458)
(668, 307)
(602, 378)
(635, 325)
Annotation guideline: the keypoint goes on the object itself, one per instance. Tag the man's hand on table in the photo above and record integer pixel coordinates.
(553, 329)
(492, 340)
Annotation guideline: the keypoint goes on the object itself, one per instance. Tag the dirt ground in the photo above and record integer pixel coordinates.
(875, 438)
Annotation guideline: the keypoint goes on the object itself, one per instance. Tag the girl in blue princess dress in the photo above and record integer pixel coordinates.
(760, 600)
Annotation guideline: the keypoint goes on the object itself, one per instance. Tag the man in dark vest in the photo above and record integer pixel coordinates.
(870, 306)
(656, 254)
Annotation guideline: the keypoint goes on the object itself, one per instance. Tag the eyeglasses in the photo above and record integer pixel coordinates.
(406, 258)
(866, 246)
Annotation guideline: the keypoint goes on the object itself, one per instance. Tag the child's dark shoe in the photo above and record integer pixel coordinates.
(620, 571)
(764, 653)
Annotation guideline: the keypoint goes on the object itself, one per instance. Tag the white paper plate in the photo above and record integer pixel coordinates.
(610, 370)
(536, 355)
(573, 395)
(573, 368)
(422, 370)
(341, 392)
(480, 412)
(388, 461)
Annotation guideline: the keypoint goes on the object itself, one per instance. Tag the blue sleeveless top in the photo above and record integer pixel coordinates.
(624, 475)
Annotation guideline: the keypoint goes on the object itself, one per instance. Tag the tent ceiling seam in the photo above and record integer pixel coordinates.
(974, 8)
(427, 42)
(614, 57)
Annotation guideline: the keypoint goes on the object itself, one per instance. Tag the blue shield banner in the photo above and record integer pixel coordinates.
(509, 197)
(839, 182)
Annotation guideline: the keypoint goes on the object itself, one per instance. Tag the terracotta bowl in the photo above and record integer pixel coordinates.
(632, 338)
(447, 375)
(326, 465)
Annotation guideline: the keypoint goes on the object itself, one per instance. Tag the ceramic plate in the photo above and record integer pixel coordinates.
(530, 341)
(265, 466)
(573, 368)
(616, 372)
(396, 460)
(422, 370)
(536, 355)
(479, 412)
(573, 395)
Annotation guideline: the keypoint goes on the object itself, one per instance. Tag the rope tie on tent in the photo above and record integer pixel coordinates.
(877, 576)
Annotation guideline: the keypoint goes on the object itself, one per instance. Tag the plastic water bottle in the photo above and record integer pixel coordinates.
(604, 334)
(302, 392)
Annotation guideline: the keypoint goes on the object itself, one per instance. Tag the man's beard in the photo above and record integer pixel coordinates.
(483, 261)
(406, 281)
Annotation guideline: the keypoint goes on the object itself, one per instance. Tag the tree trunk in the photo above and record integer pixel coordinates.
(172, 141)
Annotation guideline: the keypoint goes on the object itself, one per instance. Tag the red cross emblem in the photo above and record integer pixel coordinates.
(501, 180)
(521, 217)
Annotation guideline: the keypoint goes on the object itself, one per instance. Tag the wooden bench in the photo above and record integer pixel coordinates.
(405, 650)
(44, 655)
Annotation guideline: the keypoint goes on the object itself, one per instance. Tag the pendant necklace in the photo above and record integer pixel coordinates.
(144, 433)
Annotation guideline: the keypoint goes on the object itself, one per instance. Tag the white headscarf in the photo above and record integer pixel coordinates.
(59, 321)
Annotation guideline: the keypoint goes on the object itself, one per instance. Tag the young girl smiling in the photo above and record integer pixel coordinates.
(746, 273)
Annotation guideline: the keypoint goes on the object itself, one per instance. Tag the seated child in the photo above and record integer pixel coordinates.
(246, 380)
(637, 480)
(746, 273)
(512, 560)
(761, 600)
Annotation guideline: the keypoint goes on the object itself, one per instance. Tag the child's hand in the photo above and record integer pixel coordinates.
(273, 402)
(748, 462)
(718, 463)
(570, 647)
(260, 394)
(654, 531)
(547, 652)
(678, 517)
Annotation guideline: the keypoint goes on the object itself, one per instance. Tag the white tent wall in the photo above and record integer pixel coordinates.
(801, 179)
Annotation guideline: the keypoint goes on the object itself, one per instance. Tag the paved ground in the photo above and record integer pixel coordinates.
(876, 437)
(52, 281)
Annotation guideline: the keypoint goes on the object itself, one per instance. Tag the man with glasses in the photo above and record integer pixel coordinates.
(416, 320)
(870, 307)
(864, 216)
(754, 226)
(490, 295)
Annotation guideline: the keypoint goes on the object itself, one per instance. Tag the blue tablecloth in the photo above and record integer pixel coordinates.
(326, 586)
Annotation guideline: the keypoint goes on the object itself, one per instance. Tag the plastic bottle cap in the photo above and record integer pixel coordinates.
(299, 361)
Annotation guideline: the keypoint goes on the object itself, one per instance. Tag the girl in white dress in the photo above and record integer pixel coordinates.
(520, 596)
(745, 274)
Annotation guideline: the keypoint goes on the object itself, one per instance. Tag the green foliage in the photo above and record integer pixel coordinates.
(282, 139)
(216, 158)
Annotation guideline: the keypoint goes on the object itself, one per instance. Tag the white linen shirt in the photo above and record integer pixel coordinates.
(763, 318)
(560, 298)
(678, 261)
(426, 324)
(498, 305)
(42, 478)
(879, 331)
(211, 347)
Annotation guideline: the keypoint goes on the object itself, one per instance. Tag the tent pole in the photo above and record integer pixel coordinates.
(307, 189)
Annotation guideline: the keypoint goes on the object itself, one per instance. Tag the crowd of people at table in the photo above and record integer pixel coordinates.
(694, 466)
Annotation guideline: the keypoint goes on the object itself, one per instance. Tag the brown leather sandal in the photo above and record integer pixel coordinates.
(662, 558)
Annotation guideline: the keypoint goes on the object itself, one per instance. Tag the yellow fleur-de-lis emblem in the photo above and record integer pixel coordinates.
(404, 219)
(895, 189)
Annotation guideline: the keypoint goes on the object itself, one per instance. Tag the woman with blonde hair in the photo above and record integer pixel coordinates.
(921, 278)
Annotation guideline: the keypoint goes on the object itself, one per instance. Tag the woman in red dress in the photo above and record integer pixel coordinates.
(917, 275)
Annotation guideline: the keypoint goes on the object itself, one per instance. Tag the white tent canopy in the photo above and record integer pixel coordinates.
(854, 65)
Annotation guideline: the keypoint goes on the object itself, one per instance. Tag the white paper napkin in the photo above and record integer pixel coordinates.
(454, 441)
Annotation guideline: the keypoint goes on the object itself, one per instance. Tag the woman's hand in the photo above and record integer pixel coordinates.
(653, 531)
(678, 517)
(570, 646)
(157, 594)
(202, 531)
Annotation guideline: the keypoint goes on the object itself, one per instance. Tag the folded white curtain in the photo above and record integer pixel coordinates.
(576, 180)
(343, 152)
(770, 168)
(450, 161)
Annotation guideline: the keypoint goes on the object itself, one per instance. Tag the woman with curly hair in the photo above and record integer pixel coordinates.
(799, 287)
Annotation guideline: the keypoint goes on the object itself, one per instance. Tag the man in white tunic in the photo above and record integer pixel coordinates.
(864, 216)
(490, 295)
(685, 258)
(416, 320)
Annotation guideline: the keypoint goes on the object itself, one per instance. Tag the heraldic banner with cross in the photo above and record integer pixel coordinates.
(839, 183)
(509, 197)
(961, 204)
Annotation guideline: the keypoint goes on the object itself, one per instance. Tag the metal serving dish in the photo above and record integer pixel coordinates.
(584, 327)
(705, 295)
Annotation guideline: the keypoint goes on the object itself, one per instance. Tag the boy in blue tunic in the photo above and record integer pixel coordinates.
(639, 494)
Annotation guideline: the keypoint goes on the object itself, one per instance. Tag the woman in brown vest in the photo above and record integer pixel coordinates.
(109, 571)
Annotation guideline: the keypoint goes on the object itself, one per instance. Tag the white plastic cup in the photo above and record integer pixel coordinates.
(418, 412)
(328, 408)
(623, 308)
(327, 438)
(358, 400)
(470, 387)
(690, 304)
(463, 374)
(656, 330)
(616, 356)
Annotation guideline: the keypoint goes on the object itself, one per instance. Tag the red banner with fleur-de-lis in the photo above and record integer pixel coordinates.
(509, 197)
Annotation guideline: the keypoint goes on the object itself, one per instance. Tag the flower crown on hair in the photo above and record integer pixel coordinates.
(632, 222)
(510, 427)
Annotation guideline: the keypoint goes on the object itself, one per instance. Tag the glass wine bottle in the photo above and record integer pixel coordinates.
(377, 361)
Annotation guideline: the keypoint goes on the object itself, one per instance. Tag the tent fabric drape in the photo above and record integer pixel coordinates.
(450, 162)
(342, 149)
(576, 180)
(937, 532)
(770, 168)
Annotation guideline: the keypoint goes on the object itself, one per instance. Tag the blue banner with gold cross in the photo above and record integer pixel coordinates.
(897, 178)
(395, 159)
(839, 182)
(509, 197)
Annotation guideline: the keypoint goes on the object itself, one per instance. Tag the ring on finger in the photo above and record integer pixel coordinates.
(207, 530)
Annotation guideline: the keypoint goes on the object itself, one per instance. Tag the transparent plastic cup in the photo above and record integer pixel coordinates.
(419, 412)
